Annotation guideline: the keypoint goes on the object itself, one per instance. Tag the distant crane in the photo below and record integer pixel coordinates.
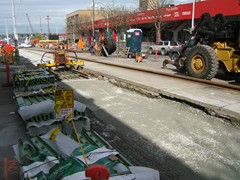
(30, 23)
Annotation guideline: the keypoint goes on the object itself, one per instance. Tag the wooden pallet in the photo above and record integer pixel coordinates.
(124, 52)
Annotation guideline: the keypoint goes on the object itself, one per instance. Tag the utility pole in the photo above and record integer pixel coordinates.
(14, 23)
(56, 29)
(48, 25)
(40, 24)
(7, 31)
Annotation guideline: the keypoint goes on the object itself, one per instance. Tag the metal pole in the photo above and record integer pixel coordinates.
(7, 31)
(14, 23)
(48, 25)
(193, 15)
(107, 24)
(40, 24)
(93, 19)
(15, 34)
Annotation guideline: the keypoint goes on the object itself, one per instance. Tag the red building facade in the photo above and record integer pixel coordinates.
(179, 16)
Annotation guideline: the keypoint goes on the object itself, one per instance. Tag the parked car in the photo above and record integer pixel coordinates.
(25, 45)
(163, 47)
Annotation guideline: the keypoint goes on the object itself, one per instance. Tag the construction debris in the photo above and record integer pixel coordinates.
(63, 148)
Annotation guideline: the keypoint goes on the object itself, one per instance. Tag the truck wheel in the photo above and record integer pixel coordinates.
(180, 64)
(174, 55)
(163, 52)
(150, 51)
(202, 62)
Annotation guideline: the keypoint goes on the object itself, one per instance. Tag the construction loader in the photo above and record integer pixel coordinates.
(214, 43)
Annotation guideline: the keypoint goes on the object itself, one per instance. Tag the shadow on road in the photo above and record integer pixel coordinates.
(133, 147)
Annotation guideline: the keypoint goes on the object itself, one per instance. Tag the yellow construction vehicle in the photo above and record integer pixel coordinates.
(46, 43)
(60, 59)
(213, 44)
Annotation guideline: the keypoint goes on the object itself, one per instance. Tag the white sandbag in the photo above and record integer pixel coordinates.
(27, 112)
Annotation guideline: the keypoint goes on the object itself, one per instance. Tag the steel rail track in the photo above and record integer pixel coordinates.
(69, 74)
(64, 74)
(158, 72)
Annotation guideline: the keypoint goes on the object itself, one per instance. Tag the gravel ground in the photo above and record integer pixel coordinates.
(178, 140)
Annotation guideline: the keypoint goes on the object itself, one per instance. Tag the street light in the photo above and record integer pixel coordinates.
(193, 15)
(103, 9)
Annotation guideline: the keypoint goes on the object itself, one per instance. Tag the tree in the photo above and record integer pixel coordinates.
(118, 18)
(81, 25)
(155, 7)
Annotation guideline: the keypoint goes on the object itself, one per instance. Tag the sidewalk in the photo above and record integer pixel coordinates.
(11, 129)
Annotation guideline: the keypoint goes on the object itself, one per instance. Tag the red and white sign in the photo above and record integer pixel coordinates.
(137, 33)
(179, 12)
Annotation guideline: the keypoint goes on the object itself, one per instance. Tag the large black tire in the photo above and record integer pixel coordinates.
(202, 62)
(163, 51)
(110, 46)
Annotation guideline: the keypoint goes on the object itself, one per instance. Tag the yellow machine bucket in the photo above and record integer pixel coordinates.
(60, 59)
(227, 56)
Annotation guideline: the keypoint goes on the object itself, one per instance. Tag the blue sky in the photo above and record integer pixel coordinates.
(55, 9)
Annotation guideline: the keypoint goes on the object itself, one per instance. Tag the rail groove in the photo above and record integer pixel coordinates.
(158, 72)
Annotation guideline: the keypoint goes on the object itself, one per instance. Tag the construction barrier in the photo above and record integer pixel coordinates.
(7, 55)
(139, 57)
